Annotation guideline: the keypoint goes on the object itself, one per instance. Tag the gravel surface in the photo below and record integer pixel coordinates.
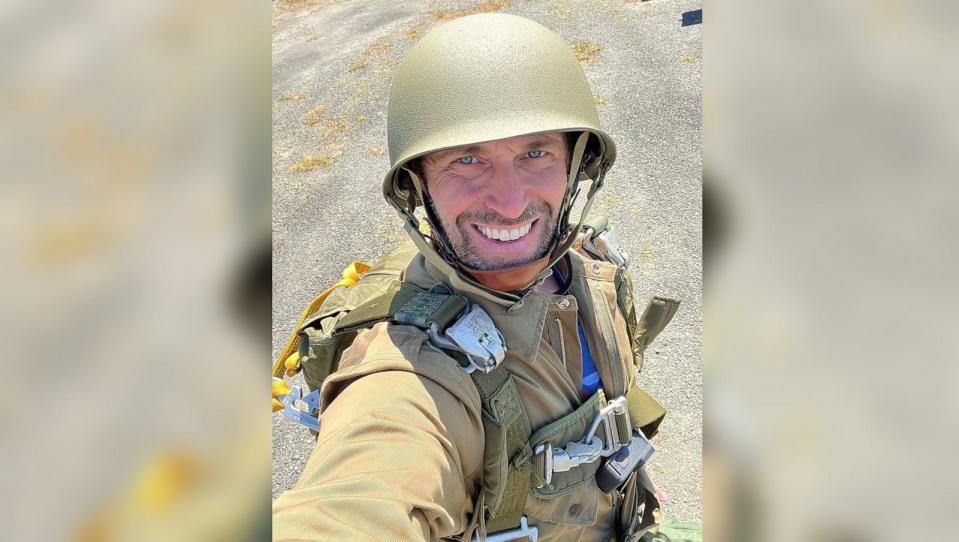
(335, 58)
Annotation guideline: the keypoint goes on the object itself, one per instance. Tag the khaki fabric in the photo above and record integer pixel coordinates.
(399, 454)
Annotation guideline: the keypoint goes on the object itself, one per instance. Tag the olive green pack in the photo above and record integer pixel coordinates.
(325, 334)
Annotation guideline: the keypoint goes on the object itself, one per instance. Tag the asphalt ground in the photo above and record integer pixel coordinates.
(332, 64)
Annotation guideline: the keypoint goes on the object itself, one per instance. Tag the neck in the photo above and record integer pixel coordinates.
(549, 286)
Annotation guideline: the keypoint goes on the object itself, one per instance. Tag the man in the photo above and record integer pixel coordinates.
(496, 396)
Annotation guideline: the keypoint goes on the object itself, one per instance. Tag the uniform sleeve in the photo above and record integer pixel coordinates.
(397, 458)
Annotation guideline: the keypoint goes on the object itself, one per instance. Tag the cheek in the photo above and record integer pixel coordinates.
(452, 198)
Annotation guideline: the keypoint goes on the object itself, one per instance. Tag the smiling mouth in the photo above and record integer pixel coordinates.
(505, 234)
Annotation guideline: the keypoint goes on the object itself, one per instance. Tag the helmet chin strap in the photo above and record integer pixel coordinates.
(432, 252)
(459, 277)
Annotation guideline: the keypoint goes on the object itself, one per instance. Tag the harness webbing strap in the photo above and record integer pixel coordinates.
(500, 398)
(644, 412)
(380, 308)
(658, 313)
(425, 309)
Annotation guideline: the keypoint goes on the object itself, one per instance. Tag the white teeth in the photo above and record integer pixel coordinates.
(506, 235)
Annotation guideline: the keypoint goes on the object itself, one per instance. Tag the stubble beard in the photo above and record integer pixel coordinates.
(466, 251)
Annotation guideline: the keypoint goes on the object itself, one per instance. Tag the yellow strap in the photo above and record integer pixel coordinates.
(280, 388)
(292, 363)
(288, 362)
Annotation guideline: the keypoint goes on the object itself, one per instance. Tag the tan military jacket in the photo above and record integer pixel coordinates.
(400, 449)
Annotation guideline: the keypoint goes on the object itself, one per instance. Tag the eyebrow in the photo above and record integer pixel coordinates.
(466, 150)
(449, 152)
(538, 144)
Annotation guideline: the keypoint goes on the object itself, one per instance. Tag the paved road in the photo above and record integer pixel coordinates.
(332, 63)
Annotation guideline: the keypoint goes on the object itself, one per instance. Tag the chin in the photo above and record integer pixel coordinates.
(474, 261)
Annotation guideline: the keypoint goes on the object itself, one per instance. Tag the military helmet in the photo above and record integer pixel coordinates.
(482, 78)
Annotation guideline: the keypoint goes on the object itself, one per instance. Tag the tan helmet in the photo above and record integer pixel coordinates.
(482, 78)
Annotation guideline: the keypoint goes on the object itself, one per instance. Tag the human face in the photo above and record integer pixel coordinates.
(499, 201)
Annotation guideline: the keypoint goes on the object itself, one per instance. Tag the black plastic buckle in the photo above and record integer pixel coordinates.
(615, 470)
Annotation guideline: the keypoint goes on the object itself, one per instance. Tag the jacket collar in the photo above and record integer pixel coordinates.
(522, 323)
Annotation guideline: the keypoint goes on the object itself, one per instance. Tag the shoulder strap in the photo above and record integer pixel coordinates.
(404, 303)
(377, 309)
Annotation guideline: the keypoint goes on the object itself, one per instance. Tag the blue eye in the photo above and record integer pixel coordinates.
(536, 154)
(466, 160)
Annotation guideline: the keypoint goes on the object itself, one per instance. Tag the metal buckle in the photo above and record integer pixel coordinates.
(475, 335)
(607, 417)
(606, 244)
(564, 459)
(591, 448)
(523, 531)
(300, 408)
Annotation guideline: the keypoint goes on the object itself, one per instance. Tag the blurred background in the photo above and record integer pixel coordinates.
(831, 147)
(135, 212)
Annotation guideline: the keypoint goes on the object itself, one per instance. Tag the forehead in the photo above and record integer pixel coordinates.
(518, 143)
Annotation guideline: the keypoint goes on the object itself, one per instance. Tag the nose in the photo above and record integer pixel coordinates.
(506, 193)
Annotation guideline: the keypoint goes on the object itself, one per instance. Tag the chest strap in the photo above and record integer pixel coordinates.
(557, 459)
(573, 459)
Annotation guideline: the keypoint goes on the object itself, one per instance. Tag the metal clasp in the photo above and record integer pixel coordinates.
(591, 448)
(606, 245)
(564, 459)
(523, 531)
(475, 335)
(607, 417)
(300, 408)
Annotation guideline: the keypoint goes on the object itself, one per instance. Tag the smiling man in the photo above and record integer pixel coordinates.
(491, 387)
(499, 201)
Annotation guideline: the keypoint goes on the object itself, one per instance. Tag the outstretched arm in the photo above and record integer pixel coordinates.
(398, 458)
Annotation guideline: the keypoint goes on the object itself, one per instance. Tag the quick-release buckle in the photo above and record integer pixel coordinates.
(612, 417)
(564, 459)
(300, 408)
(475, 335)
(606, 245)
